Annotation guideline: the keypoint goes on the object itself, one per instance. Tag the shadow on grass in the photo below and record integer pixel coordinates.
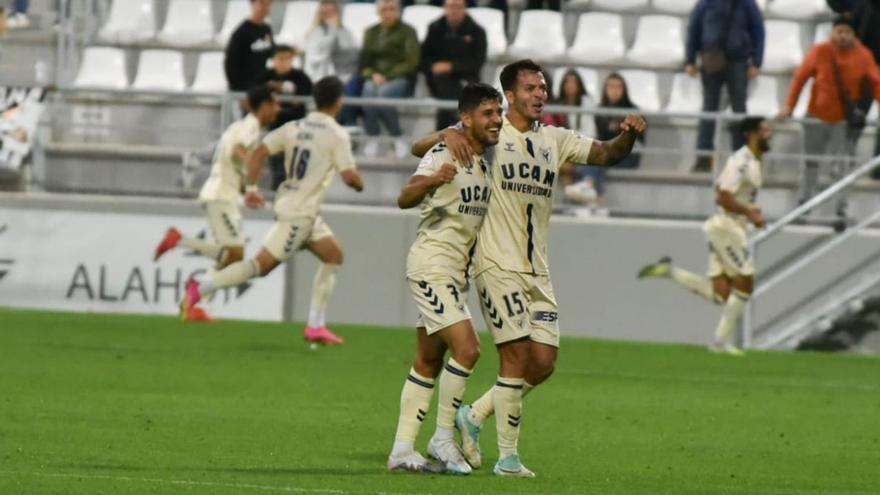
(262, 471)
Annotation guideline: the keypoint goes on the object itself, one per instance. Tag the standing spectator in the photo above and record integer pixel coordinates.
(250, 46)
(284, 78)
(330, 47)
(729, 37)
(453, 53)
(389, 61)
(840, 69)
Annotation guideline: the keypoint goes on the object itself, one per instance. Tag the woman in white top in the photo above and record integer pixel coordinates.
(330, 48)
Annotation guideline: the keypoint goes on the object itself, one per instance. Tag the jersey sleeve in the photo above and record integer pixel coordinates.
(278, 139)
(573, 147)
(432, 161)
(342, 158)
(732, 177)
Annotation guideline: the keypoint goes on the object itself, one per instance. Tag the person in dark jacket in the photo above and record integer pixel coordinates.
(249, 47)
(736, 29)
(453, 53)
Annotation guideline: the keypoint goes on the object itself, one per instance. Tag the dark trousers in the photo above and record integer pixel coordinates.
(445, 87)
(735, 77)
(349, 114)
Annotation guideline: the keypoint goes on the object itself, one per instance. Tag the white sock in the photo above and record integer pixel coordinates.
(208, 249)
(694, 283)
(484, 407)
(322, 287)
(453, 381)
(508, 404)
(234, 274)
(415, 402)
(733, 308)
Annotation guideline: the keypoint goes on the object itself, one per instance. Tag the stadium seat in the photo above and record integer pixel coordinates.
(420, 16)
(599, 39)
(357, 17)
(782, 52)
(619, 5)
(589, 76)
(823, 32)
(236, 12)
(680, 7)
(540, 35)
(763, 97)
(129, 21)
(797, 9)
(188, 23)
(659, 42)
(643, 88)
(298, 18)
(492, 20)
(874, 112)
(686, 95)
(803, 103)
(102, 67)
(160, 70)
(762, 4)
(210, 77)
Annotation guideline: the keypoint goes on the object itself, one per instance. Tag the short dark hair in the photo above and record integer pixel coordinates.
(510, 72)
(327, 92)
(283, 49)
(843, 20)
(474, 94)
(258, 95)
(750, 125)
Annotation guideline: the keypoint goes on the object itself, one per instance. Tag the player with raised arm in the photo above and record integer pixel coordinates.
(315, 148)
(221, 192)
(731, 270)
(510, 264)
(453, 199)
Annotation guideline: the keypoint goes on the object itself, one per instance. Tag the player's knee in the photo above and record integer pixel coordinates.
(336, 258)
(541, 371)
(744, 285)
(233, 254)
(467, 356)
(428, 366)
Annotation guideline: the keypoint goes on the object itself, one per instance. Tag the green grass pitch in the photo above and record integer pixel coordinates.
(132, 404)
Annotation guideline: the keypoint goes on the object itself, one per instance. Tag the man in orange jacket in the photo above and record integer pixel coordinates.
(835, 135)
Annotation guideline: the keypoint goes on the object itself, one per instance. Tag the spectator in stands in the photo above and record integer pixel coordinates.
(573, 92)
(330, 48)
(285, 79)
(250, 46)
(389, 61)
(729, 37)
(844, 72)
(453, 53)
(17, 19)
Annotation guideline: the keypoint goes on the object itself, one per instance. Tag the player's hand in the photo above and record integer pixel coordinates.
(254, 200)
(633, 123)
(458, 145)
(691, 70)
(378, 79)
(784, 113)
(753, 72)
(446, 174)
(756, 216)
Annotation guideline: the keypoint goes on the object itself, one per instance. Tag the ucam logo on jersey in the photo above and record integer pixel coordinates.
(103, 262)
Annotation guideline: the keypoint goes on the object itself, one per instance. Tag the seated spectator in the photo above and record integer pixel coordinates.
(285, 79)
(453, 53)
(573, 92)
(249, 47)
(389, 61)
(330, 48)
(17, 19)
(841, 68)
(554, 119)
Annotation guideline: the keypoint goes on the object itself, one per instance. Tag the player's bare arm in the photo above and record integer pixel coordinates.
(728, 201)
(253, 198)
(455, 140)
(608, 153)
(420, 186)
(352, 178)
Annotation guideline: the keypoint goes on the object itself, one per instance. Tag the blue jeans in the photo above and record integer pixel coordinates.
(737, 81)
(349, 113)
(393, 88)
(20, 6)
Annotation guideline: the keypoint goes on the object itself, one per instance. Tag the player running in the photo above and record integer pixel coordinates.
(315, 148)
(510, 266)
(453, 201)
(220, 194)
(731, 270)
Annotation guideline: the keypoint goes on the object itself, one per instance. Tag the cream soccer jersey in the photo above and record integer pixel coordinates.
(451, 216)
(228, 172)
(315, 148)
(524, 173)
(742, 176)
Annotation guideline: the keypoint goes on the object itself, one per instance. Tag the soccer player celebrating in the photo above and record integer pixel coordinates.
(315, 148)
(731, 271)
(453, 200)
(219, 196)
(510, 265)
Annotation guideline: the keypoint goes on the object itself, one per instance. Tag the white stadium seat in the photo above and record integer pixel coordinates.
(188, 23)
(210, 76)
(589, 76)
(797, 9)
(762, 5)
(540, 36)
(420, 16)
(492, 20)
(874, 112)
(659, 42)
(763, 97)
(599, 39)
(643, 89)
(236, 12)
(298, 18)
(782, 52)
(619, 5)
(823, 32)
(160, 70)
(357, 17)
(803, 103)
(102, 67)
(686, 95)
(129, 21)
(675, 6)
